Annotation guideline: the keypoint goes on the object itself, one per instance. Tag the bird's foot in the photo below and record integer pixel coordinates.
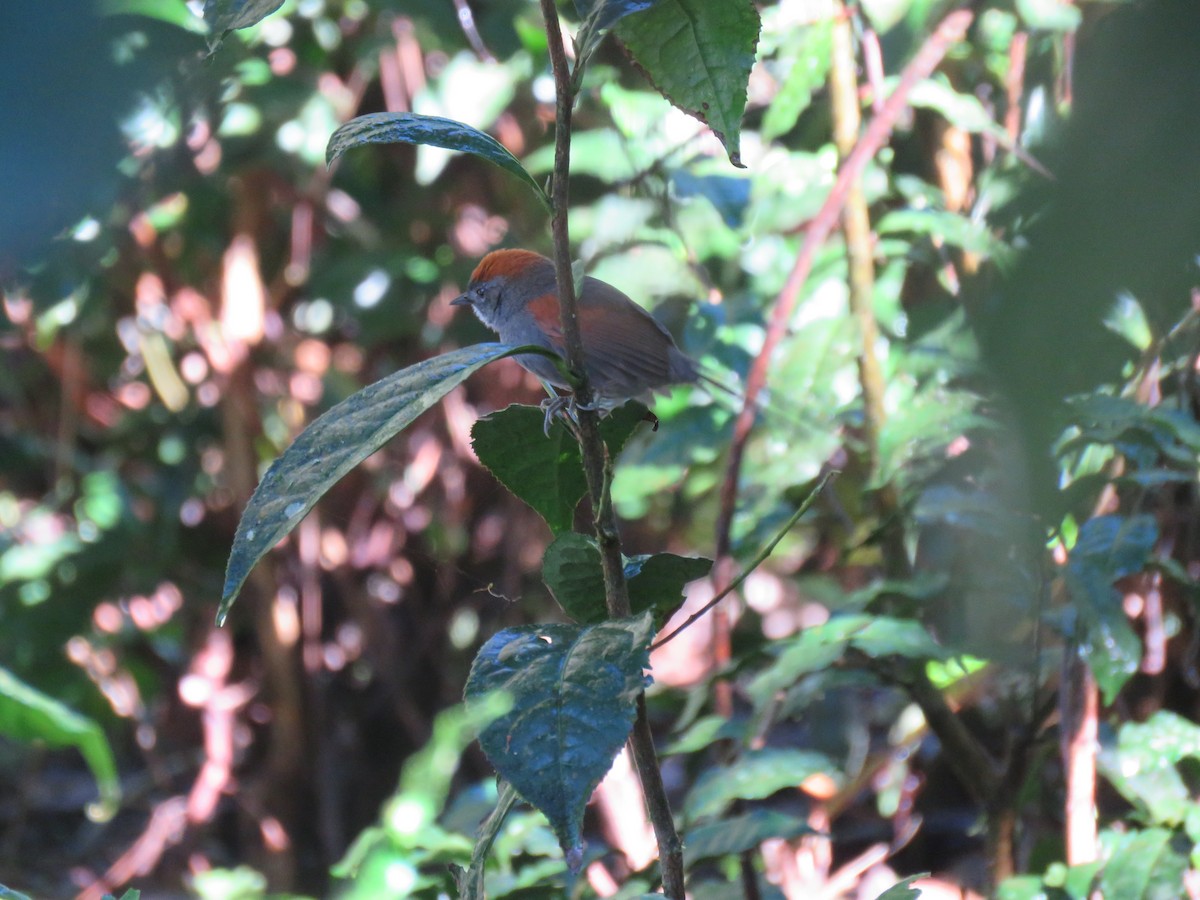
(559, 405)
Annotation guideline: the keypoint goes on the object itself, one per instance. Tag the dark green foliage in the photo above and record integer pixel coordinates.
(433, 131)
(1029, 493)
(545, 472)
(699, 55)
(574, 690)
(572, 571)
(337, 442)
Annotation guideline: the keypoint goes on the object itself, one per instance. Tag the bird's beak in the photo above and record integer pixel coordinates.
(463, 300)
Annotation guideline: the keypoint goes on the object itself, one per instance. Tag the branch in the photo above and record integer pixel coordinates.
(952, 29)
(596, 464)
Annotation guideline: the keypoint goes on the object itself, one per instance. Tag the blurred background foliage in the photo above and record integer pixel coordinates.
(186, 286)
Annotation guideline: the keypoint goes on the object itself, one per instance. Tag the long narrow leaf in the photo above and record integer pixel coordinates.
(337, 442)
(434, 131)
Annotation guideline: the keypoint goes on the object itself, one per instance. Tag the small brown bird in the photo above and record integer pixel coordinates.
(627, 353)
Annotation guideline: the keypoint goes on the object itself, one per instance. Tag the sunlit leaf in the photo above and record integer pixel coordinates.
(757, 774)
(600, 152)
(703, 733)
(942, 225)
(177, 14)
(1052, 15)
(434, 131)
(471, 887)
(699, 55)
(230, 15)
(964, 111)
(1146, 864)
(241, 881)
(337, 442)
(408, 820)
(26, 714)
(883, 14)
(810, 58)
(574, 690)
(1144, 765)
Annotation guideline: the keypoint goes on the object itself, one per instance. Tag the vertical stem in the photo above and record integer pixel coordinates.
(596, 465)
(966, 755)
(1082, 735)
(856, 228)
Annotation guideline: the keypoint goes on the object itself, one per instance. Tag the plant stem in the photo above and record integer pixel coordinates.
(860, 259)
(595, 459)
(964, 753)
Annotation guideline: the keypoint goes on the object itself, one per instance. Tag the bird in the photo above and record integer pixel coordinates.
(627, 353)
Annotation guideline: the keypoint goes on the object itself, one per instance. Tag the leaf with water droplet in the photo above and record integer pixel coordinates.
(337, 442)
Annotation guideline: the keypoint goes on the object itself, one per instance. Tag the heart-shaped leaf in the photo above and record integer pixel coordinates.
(574, 690)
(698, 54)
(545, 472)
(572, 571)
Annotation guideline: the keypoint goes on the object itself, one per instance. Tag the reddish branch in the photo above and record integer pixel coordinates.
(951, 30)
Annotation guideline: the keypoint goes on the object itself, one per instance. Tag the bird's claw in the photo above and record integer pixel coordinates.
(558, 405)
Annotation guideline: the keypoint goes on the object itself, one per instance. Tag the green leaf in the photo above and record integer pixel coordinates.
(699, 55)
(884, 14)
(1139, 433)
(574, 691)
(741, 833)
(337, 442)
(600, 152)
(242, 882)
(548, 472)
(572, 571)
(961, 110)
(656, 582)
(230, 15)
(1052, 15)
(702, 733)
(942, 225)
(7, 893)
(810, 58)
(598, 21)
(471, 887)
(820, 646)
(26, 714)
(1108, 548)
(1145, 865)
(176, 14)
(1143, 765)
(903, 890)
(757, 774)
(409, 817)
(434, 131)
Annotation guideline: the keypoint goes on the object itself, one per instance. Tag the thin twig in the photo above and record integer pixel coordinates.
(596, 464)
(755, 563)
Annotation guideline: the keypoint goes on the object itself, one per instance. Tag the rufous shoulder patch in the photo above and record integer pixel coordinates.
(547, 313)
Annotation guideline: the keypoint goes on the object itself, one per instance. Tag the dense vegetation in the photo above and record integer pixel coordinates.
(945, 255)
